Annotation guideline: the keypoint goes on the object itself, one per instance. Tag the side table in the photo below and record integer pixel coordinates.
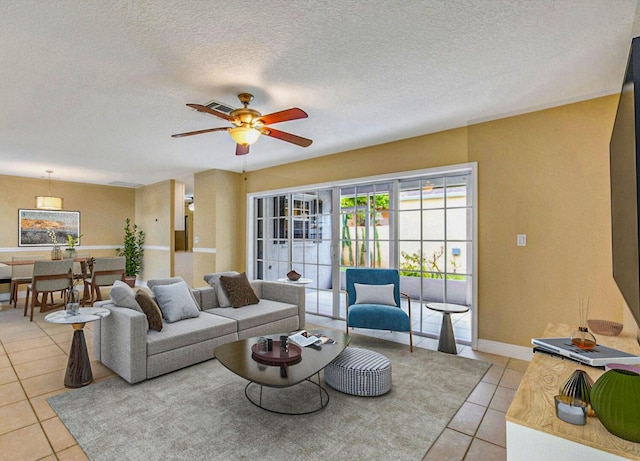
(447, 342)
(79, 366)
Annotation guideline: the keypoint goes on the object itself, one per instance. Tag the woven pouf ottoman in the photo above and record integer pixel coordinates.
(359, 372)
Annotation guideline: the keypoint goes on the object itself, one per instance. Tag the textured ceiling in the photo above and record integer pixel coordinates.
(94, 89)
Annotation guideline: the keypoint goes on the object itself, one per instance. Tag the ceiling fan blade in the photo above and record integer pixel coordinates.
(283, 116)
(208, 110)
(284, 136)
(191, 133)
(242, 149)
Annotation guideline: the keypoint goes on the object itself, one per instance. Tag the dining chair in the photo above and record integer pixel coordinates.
(105, 271)
(48, 277)
(80, 265)
(21, 274)
(373, 301)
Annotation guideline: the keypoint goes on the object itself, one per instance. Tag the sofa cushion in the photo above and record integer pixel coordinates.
(168, 281)
(375, 294)
(123, 295)
(150, 309)
(239, 290)
(176, 301)
(266, 311)
(187, 332)
(206, 297)
(214, 281)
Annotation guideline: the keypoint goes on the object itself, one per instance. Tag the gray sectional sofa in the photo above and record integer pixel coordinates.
(124, 343)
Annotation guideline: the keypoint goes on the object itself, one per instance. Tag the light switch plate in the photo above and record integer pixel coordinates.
(522, 240)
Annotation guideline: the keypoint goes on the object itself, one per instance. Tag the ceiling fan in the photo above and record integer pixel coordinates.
(249, 124)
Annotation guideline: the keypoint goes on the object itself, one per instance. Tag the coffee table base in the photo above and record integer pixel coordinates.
(322, 394)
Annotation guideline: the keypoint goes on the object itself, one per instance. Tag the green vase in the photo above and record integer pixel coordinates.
(615, 397)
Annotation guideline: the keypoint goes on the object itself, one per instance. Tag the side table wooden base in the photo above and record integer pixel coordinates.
(78, 366)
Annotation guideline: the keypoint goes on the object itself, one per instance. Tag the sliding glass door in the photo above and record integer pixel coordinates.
(294, 232)
(421, 225)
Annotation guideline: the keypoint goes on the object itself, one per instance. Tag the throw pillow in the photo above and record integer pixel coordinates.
(239, 290)
(375, 294)
(150, 309)
(214, 281)
(176, 301)
(123, 295)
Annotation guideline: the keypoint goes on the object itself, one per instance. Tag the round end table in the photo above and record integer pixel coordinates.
(79, 366)
(447, 341)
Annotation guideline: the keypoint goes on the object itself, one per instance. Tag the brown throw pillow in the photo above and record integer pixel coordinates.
(150, 309)
(239, 290)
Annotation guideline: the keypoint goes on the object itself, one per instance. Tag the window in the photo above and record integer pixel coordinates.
(304, 218)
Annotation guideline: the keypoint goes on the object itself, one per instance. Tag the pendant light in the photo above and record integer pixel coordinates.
(48, 202)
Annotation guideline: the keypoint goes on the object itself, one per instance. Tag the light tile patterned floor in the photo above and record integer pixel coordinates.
(33, 359)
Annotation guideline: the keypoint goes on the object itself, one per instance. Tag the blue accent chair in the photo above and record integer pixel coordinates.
(377, 316)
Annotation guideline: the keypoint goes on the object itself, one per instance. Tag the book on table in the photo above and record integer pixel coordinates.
(304, 338)
(598, 356)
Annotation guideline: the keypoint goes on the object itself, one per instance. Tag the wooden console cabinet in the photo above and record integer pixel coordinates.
(533, 430)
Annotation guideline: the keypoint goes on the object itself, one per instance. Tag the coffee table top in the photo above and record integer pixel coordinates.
(236, 356)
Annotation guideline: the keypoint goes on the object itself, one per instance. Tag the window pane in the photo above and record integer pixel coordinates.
(458, 258)
(409, 224)
(456, 191)
(457, 223)
(433, 224)
(432, 193)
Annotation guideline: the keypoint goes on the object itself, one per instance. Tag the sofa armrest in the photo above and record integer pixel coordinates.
(121, 343)
(284, 292)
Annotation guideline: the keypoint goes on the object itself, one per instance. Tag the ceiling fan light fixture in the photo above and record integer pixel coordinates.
(244, 135)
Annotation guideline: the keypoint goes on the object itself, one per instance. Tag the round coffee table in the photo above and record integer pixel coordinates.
(447, 342)
(79, 372)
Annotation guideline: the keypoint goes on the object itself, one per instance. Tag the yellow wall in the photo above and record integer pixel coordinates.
(544, 174)
(103, 210)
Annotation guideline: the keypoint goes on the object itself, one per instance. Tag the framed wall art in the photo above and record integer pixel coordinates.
(33, 226)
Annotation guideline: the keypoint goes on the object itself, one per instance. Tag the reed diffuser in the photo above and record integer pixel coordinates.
(582, 338)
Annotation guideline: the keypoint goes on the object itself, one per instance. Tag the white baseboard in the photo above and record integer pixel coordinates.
(505, 349)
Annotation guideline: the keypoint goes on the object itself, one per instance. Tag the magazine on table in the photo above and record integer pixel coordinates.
(304, 338)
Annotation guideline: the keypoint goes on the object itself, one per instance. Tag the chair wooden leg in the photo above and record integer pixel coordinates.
(33, 303)
(26, 303)
(410, 340)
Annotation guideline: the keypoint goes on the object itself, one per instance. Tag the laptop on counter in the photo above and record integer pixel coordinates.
(599, 356)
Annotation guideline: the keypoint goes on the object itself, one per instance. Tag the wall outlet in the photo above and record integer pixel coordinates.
(521, 240)
(196, 239)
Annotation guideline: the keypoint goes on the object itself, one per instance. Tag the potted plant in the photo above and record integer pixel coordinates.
(133, 251)
(72, 242)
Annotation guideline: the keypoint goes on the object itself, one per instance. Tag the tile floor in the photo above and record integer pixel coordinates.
(33, 359)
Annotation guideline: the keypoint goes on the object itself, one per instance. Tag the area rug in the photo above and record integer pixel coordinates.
(201, 413)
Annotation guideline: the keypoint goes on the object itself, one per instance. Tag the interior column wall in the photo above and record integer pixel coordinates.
(218, 232)
(154, 215)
